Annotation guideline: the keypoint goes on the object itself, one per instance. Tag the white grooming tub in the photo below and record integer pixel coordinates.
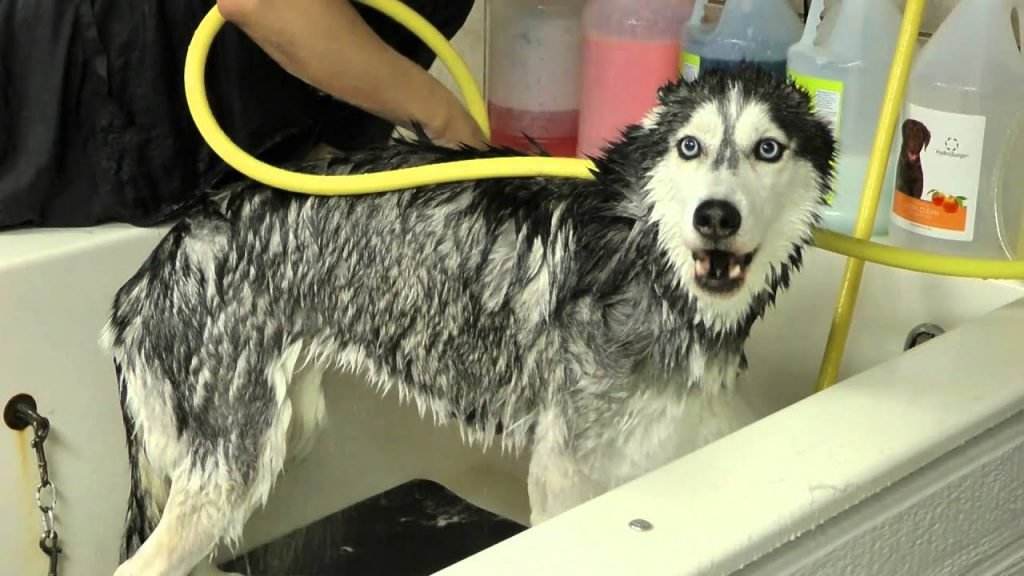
(912, 464)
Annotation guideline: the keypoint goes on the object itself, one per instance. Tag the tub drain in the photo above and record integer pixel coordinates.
(921, 334)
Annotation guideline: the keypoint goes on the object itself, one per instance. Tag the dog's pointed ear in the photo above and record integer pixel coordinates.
(662, 93)
(677, 86)
(650, 120)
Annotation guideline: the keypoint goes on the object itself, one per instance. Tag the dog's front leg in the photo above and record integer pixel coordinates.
(556, 482)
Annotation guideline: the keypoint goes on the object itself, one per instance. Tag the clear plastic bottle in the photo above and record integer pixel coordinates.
(957, 152)
(630, 49)
(758, 31)
(533, 74)
(846, 72)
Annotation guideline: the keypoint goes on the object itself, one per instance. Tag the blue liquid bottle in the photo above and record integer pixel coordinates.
(756, 31)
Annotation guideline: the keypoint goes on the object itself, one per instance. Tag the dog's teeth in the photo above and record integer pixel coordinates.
(702, 266)
(735, 271)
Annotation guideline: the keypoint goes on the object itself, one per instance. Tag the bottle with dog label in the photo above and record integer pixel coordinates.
(533, 67)
(958, 148)
(758, 31)
(630, 49)
(846, 73)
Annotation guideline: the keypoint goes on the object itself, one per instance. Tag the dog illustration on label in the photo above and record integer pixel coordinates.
(909, 174)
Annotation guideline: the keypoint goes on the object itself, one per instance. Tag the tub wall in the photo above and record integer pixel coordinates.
(911, 467)
(784, 362)
(55, 289)
(55, 292)
(962, 514)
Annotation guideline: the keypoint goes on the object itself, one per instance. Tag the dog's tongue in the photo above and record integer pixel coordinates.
(718, 265)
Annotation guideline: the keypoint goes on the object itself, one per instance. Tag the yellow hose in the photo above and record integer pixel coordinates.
(857, 247)
(914, 261)
(891, 106)
(199, 107)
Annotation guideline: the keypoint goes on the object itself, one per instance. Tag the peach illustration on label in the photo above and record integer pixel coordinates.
(935, 209)
(949, 204)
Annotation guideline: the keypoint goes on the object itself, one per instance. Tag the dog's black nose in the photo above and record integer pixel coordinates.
(717, 219)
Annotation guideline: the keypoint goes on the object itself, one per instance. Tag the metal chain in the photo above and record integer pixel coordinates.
(46, 492)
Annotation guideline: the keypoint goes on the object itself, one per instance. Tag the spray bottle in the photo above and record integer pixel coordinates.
(630, 49)
(957, 153)
(533, 67)
(846, 72)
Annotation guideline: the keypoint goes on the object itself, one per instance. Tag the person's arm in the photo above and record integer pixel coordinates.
(328, 45)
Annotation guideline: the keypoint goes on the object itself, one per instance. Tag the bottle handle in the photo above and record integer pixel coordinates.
(814, 21)
(1013, 248)
(698, 12)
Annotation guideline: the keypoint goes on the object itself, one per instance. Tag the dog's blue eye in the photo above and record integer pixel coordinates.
(689, 148)
(769, 150)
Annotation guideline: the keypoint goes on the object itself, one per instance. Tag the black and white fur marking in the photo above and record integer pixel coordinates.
(598, 324)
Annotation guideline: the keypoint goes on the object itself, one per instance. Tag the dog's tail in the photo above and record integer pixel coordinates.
(143, 513)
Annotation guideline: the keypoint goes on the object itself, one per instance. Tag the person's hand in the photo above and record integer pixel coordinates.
(455, 127)
(329, 46)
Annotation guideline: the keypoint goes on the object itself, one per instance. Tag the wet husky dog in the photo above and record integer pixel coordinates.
(597, 324)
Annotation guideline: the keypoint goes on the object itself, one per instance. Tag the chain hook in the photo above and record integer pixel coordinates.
(20, 413)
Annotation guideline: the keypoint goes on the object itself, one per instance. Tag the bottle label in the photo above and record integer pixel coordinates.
(689, 66)
(826, 103)
(826, 97)
(938, 172)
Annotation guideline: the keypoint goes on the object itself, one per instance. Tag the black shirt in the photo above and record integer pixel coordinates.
(93, 122)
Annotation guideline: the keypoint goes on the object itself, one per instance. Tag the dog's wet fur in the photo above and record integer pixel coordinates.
(598, 324)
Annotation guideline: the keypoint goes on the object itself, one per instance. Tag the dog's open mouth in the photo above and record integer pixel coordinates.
(720, 271)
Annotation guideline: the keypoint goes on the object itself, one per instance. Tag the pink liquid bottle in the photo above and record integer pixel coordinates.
(630, 49)
(533, 74)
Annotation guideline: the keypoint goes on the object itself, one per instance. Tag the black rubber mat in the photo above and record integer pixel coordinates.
(417, 528)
